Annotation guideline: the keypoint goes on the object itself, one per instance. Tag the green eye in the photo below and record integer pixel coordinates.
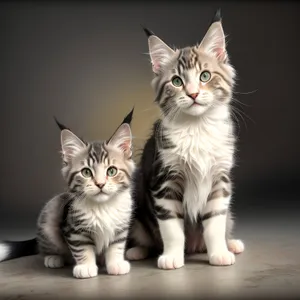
(177, 81)
(86, 172)
(205, 76)
(112, 171)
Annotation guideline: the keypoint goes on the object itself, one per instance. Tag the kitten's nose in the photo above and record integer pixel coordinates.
(194, 96)
(100, 185)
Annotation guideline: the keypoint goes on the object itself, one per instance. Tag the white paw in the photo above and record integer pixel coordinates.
(118, 268)
(235, 246)
(53, 261)
(222, 258)
(85, 271)
(136, 253)
(170, 262)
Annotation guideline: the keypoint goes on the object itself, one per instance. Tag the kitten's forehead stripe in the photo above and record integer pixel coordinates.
(104, 154)
(95, 153)
(187, 59)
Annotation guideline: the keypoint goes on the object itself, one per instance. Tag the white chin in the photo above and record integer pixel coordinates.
(101, 198)
(196, 110)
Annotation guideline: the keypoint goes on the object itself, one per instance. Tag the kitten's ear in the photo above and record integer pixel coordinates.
(214, 42)
(71, 144)
(160, 52)
(122, 139)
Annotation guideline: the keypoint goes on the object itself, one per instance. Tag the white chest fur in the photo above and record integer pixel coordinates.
(105, 219)
(201, 151)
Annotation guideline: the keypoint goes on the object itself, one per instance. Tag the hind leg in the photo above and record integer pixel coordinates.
(141, 242)
(54, 257)
(137, 253)
(54, 261)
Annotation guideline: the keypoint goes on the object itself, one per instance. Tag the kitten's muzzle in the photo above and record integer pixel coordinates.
(100, 185)
(193, 96)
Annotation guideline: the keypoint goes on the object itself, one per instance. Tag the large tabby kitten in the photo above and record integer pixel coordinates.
(183, 184)
(93, 216)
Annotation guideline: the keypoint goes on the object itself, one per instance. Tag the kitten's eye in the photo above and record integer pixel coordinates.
(205, 76)
(112, 171)
(86, 172)
(177, 81)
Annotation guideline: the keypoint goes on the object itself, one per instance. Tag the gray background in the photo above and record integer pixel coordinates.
(85, 63)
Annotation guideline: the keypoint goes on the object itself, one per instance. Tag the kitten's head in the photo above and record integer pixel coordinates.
(98, 170)
(192, 80)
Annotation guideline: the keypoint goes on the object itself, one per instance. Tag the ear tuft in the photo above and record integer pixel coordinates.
(217, 17)
(60, 125)
(147, 31)
(128, 118)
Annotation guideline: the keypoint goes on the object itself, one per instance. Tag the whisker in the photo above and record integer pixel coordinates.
(245, 93)
(234, 100)
(243, 113)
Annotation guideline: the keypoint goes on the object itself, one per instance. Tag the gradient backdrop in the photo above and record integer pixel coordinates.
(85, 63)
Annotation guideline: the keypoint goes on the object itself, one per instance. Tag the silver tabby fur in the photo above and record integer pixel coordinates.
(185, 189)
(92, 218)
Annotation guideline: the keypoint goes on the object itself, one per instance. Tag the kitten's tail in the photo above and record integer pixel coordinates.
(15, 249)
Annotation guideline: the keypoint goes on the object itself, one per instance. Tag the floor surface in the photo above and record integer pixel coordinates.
(269, 268)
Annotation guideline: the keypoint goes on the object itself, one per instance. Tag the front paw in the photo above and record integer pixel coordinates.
(170, 262)
(53, 261)
(236, 246)
(222, 258)
(85, 271)
(118, 268)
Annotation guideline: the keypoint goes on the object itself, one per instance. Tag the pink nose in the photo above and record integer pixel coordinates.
(100, 185)
(194, 96)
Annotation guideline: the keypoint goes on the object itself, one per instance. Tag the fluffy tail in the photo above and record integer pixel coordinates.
(10, 250)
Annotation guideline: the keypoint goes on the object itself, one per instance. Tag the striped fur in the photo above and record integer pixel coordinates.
(183, 185)
(93, 217)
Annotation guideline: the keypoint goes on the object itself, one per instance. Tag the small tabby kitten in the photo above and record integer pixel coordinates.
(183, 185)
(92, 218)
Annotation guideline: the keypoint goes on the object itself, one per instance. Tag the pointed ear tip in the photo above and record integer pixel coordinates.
(217, 17)
(147, 31)
(128, 118)
(60, 125)
(131, 112)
